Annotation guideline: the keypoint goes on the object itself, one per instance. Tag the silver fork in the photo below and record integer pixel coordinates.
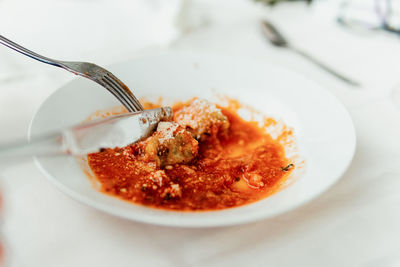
(87, 70)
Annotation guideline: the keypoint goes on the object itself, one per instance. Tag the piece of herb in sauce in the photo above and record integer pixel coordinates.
(288, 167)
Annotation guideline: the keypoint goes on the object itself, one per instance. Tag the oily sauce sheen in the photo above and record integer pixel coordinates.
(231, 170)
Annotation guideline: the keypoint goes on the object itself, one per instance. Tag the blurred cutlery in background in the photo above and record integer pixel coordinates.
(277, 39)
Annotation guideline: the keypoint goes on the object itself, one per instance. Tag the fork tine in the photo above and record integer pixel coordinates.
(110, 87)
(126, 91)
(120, 92)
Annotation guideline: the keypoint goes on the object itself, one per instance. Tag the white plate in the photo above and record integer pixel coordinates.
(324, 131)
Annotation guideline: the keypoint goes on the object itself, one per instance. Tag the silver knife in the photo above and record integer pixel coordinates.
(111, 132)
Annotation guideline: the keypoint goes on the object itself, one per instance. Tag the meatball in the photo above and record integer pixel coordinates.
(202, 119)
(170, 144)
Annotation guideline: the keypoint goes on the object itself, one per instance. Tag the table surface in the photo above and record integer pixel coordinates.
(355, 223)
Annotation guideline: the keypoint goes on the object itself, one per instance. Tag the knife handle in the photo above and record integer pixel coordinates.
(50, 145)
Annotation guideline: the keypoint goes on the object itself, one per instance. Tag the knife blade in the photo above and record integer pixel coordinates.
(114, 131)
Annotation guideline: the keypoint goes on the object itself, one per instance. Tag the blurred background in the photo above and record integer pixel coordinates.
(359, 39)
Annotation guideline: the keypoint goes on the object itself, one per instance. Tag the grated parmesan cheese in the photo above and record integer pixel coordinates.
(200, 116)
(166, 130)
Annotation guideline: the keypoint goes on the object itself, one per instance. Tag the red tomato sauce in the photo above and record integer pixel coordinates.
(240, 168)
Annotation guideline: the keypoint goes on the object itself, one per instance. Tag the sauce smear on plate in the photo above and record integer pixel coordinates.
(208, 158)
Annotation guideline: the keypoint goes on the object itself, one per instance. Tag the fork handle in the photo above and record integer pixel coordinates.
(325, 67)
(102, 77)
(29, 53)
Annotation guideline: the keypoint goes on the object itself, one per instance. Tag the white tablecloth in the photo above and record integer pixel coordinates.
(355, 223)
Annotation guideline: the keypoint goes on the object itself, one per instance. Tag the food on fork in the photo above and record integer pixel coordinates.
(206, 158)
